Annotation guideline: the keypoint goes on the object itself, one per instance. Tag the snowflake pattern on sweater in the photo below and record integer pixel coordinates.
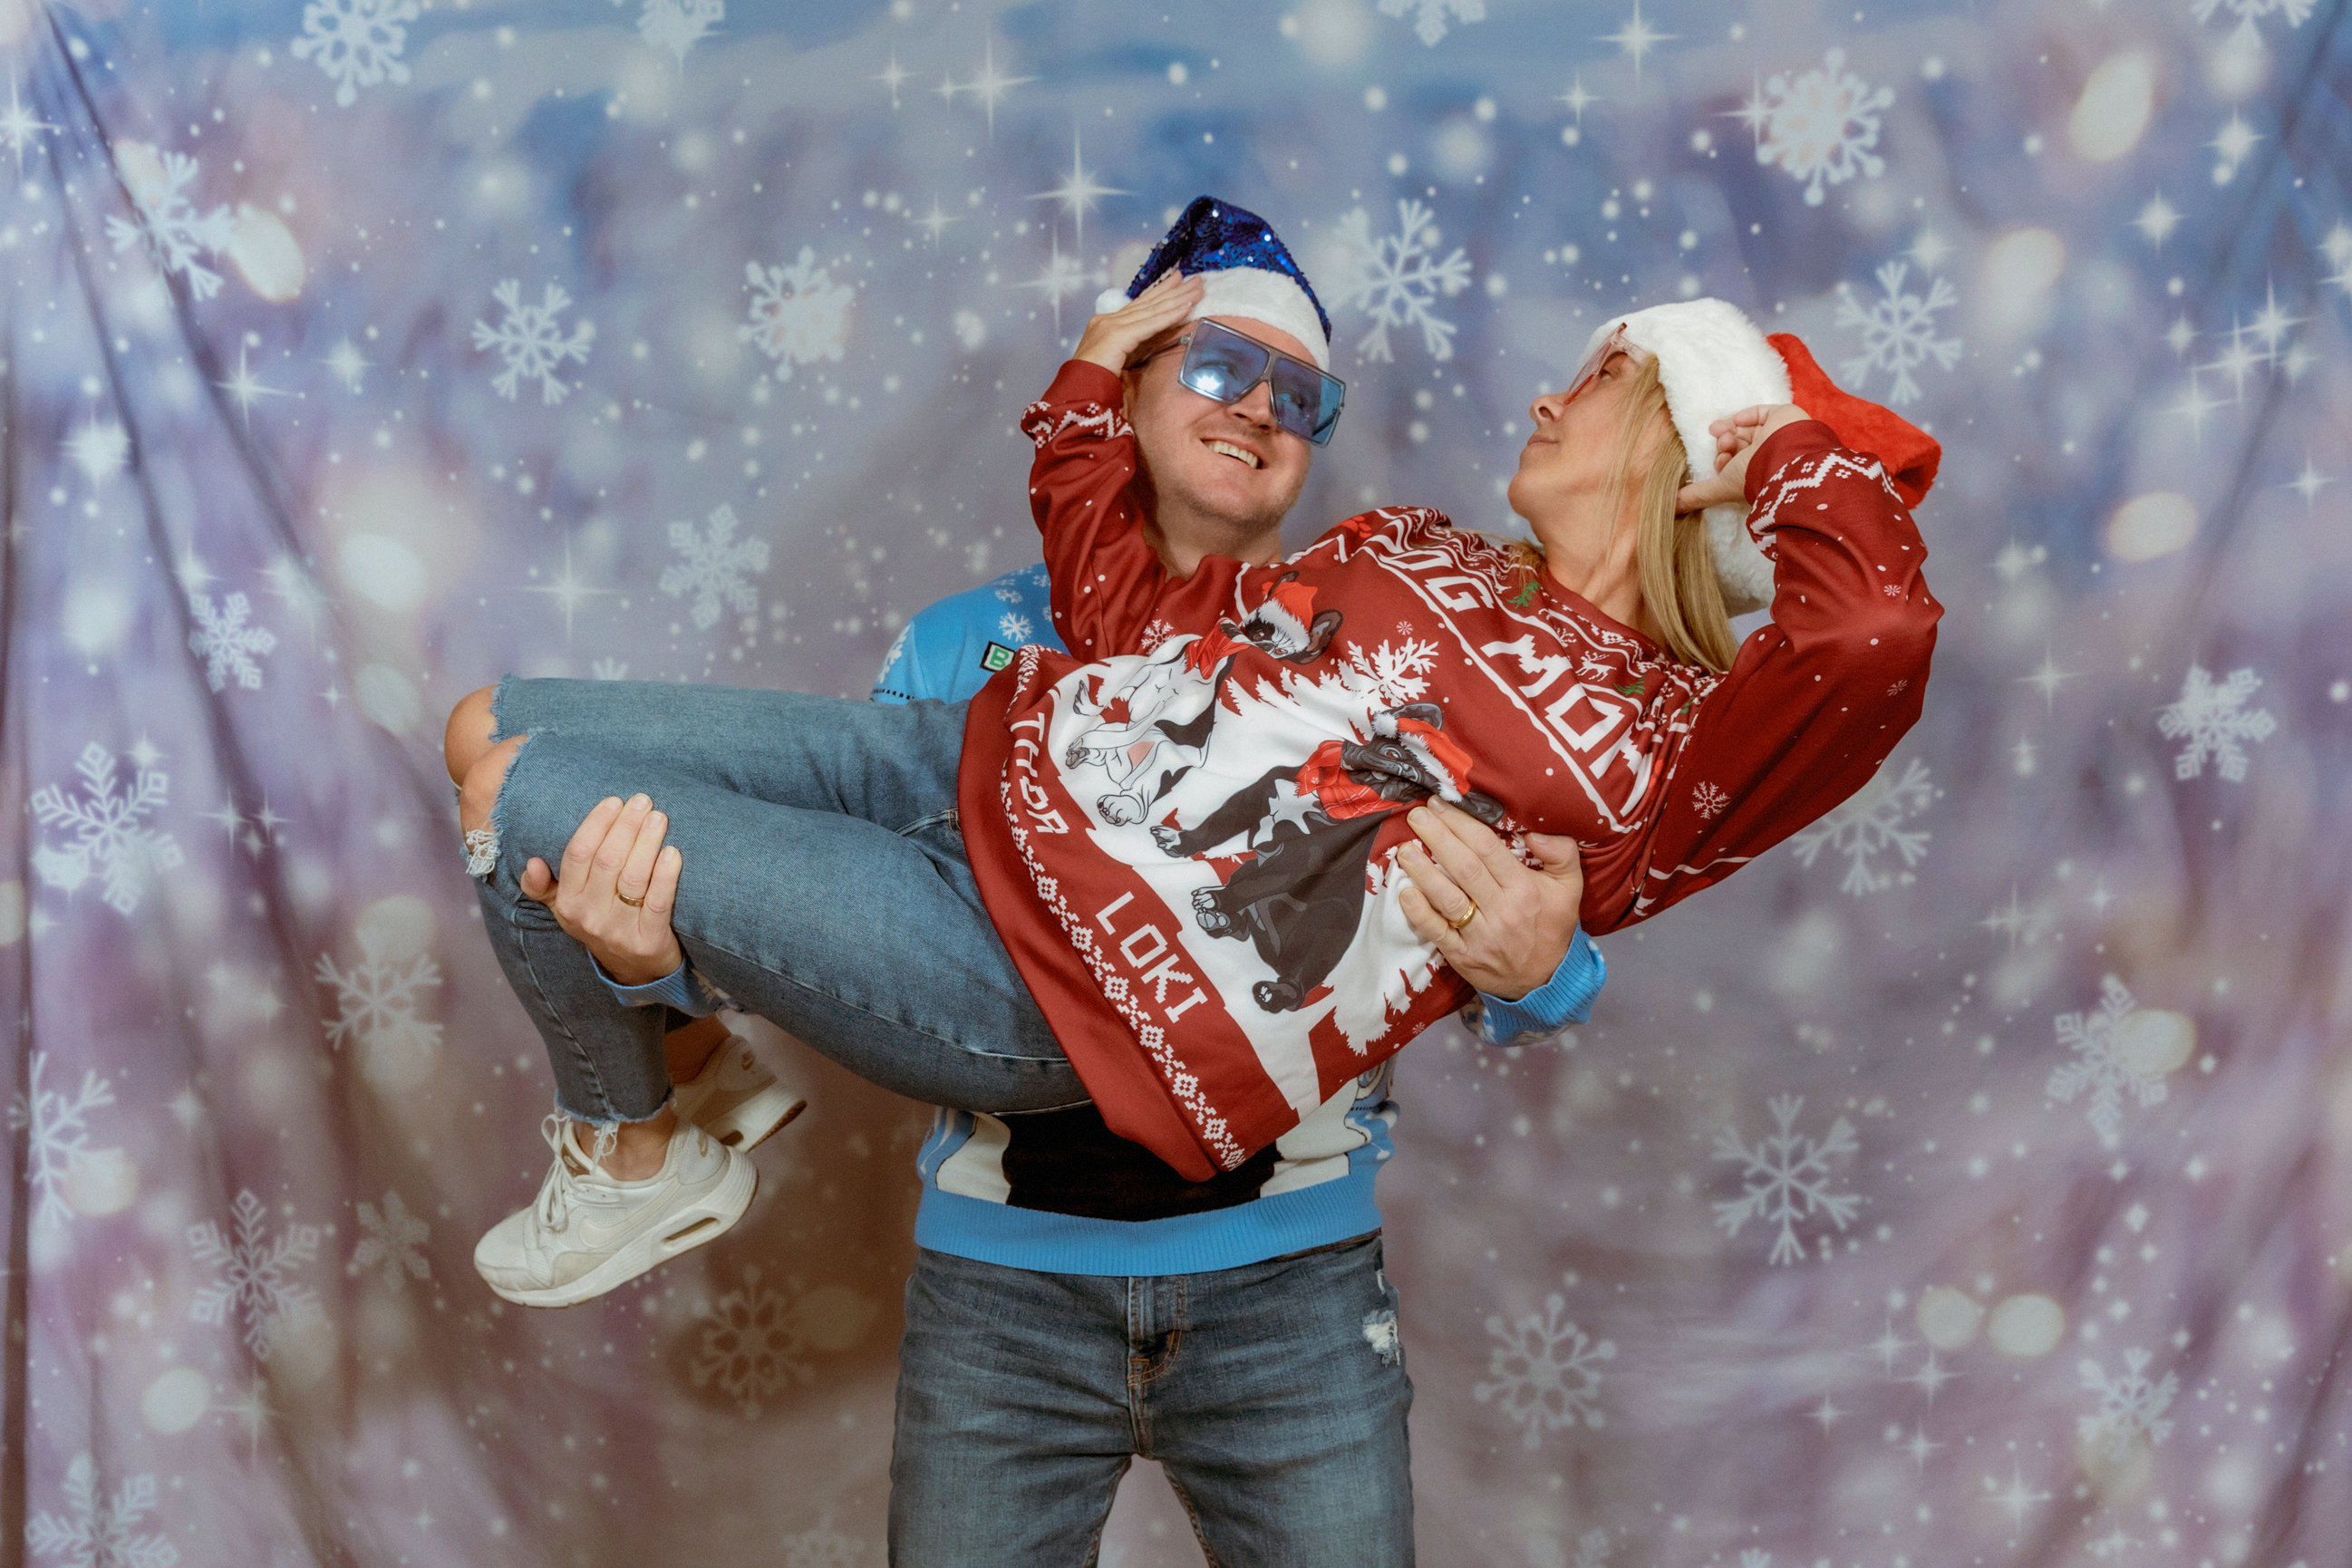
(1211, 826)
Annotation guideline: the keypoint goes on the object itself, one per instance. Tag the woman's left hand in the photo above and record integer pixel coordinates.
(1736, 441)
(1525, 919)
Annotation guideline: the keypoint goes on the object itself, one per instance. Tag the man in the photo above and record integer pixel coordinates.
(1077, 1303)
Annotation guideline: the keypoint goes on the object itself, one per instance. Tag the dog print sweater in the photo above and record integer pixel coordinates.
(1185, 829)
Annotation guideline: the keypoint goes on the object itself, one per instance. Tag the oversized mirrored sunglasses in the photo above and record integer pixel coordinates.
(1616, 342)
(1221, 363)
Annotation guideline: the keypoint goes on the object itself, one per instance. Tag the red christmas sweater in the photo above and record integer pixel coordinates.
(1185, 830)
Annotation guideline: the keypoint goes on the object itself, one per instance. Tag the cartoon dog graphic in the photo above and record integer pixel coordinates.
(1169, 717)
(1311, 829)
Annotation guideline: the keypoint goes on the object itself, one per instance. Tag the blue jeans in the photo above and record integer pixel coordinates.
(1272, 1395)
(824, 886)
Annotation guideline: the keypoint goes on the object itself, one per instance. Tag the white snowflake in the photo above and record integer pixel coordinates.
(799, 314)
(174, 230)
(256, 1271)
(1821, 127)
(2248, 12)
(107, 832)
(530, 341)
(825, 1547)
(1158, 632)
(1708, 800)
(714, 566)
(678, 25)
(2091, 1036)
(229, 647)
(750, 1349)
(1869, 823)
(56, 1133)
(1396, 278)
(100, 1531)
(1393, 673)
(356, 42)
(390, 1240)
(1015, 629)
(2215, 720)
(2130, 1405)
(1430, 15)
(1546, 1372)
(1898, 331)
(379, 1002)
(1785, 1179)
(609, 668)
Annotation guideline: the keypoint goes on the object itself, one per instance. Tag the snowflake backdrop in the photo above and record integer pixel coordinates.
(1968, 1182)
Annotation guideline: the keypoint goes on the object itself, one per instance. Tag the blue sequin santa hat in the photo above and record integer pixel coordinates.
(1246, 271)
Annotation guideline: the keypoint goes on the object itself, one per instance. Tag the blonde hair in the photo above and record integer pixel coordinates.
(1679, 585)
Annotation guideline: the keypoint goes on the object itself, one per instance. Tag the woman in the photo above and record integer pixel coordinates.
(1162, 874)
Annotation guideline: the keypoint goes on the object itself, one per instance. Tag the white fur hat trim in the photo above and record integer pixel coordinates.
(1253, 294)
(1712, 361)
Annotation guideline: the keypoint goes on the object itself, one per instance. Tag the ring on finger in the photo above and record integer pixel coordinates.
(638, 902)
(1465, 918)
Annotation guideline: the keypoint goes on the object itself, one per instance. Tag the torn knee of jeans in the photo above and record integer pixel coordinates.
(481, 852)
(482, 843)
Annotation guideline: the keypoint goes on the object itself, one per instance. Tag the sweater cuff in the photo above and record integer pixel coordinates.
(1566, 998)
(1801, 438)
(681, 988)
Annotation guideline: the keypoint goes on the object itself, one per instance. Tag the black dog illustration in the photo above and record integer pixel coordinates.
(1300, 897)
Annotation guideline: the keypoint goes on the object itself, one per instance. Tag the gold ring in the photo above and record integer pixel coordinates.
(1468, 916)
(637, 903)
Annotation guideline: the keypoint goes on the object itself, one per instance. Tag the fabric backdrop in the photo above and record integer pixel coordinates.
(1968, 1182)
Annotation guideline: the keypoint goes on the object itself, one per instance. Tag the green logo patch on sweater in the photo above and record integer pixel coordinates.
(997, 657)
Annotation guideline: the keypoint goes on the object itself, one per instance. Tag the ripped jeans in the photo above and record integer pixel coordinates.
(824, 887)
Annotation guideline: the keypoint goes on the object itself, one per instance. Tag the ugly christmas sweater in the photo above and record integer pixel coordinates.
(1185, 830)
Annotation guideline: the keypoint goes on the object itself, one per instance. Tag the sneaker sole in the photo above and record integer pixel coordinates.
(697, 1223)
(757, 1119)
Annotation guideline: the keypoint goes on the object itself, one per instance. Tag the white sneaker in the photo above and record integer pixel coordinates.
(589, 1232)
(735, 1100)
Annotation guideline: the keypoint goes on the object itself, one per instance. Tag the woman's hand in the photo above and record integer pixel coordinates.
(1736, 441)
(1110, 340)
(618, 885)
(1526, 918)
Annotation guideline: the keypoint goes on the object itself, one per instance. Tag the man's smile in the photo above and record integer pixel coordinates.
(1231, 451)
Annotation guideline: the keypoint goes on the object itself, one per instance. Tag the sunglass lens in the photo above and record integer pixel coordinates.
(1297, 397)
(1335, 396)
(1221, 365)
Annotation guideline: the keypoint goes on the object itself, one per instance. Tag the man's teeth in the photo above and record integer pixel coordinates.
(1230, 450)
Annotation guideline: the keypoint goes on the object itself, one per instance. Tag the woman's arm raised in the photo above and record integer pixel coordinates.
(1816, 698)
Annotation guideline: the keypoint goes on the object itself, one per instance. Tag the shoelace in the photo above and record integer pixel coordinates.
(559, 1195)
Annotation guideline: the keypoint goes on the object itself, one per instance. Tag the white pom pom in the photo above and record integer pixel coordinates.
(1110, 299)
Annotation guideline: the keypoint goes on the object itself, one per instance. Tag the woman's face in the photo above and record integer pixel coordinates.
(1568, 458)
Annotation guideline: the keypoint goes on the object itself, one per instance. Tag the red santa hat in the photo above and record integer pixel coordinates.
(1290, 607)
(1440, 757)
(1712, 361)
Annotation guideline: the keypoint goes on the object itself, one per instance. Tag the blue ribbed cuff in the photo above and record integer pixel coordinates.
(681, 988)
(1566, 998)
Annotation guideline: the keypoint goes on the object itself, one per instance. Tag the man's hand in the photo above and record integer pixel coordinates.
(618, 885)
(1110, 340)
(1736, 441)
(1526, 918)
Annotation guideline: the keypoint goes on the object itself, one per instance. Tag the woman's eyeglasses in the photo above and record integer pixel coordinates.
(1223, 365)
(1616, 342)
